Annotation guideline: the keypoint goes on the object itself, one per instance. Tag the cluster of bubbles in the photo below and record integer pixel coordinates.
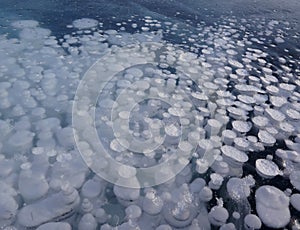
(223, 99)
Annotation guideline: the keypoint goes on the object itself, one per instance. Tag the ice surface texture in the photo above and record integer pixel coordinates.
(217, 103)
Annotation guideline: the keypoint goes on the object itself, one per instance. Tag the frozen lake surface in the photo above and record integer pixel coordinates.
(149, 115)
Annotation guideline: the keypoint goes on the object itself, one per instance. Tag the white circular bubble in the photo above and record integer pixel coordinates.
(115, 131)
(85, 23)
